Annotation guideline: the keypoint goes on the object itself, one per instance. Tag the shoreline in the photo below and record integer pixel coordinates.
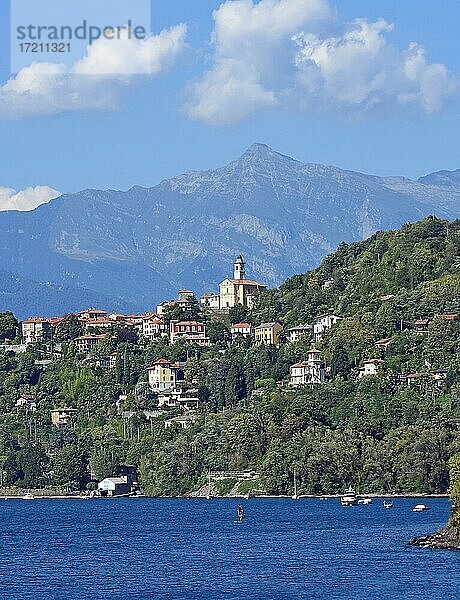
(20, 496)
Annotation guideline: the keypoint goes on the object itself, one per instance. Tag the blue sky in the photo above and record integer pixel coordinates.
(162, 125)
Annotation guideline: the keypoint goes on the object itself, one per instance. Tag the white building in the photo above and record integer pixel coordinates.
(370, 367)
(210, 301)
(35, 329)
(240, 330)
(153, 327)
(308, 372)
(322, 323)
(295, 333)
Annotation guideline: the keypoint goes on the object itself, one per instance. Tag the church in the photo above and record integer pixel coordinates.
(238, 290)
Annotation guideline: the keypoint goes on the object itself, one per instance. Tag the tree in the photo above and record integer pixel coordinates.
(8, 326)
(32, 461)
(217, 331)
(105, 461)
(70, 466)
(340, 364)
(68, 329)
(238, 314)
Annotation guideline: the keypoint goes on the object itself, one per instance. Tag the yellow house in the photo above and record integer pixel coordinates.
(268, 333)
(163, 375)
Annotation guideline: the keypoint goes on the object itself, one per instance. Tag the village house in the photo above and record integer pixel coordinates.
(26, 402)
(35, 329)
(370, 367)
(85, 343)
(184, 297)
(295, 333)
(383, 343)
(190, 331)
(91, 313)
(185, 399)
(240, 330)
(439, 376)
(421, 326)
(122, 485)
(268, 334)
(184, 421)
(107, 362)
(99, 323)
(63, 416)
(163, 375)
(163, 306)
(153, 327)
(448, 318)
(322, 323)
(210, 301)
(308, 372)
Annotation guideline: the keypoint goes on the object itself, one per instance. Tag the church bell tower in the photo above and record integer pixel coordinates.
(239, 268)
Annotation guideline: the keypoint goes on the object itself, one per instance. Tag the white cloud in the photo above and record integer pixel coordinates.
(360, 69)
(249, 54)
(281, 53)
(95, 81)
(26, 199)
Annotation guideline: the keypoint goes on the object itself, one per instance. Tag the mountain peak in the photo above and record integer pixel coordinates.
(258, 151)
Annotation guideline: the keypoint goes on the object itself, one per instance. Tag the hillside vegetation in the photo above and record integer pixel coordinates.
(380, 433)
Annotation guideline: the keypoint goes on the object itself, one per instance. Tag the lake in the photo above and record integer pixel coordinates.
(193, 549)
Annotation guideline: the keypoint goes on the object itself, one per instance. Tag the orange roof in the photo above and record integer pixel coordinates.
(36, 320)
(240, 326)
(163, 361)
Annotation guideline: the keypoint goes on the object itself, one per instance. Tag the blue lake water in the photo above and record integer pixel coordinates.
(193, 549)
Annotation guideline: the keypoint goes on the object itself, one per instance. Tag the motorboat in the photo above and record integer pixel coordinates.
(420, 508)
(349, 498)
(28, 496)
(365, 501)
(387, 504)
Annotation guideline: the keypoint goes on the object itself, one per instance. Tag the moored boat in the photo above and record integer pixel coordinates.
(420, 508)
(387, 504)
(349, 498)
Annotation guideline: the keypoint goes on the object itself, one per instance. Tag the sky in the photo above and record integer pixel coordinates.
(367, 86)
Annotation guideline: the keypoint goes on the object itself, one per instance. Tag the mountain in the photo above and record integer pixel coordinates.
(45, 298)
(138, 247)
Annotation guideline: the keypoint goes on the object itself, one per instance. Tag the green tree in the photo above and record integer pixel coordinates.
(68, 329)
(238, 314)
(8, 326)
(69, 466)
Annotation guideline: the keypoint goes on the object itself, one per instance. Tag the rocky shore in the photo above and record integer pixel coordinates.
(444, 539)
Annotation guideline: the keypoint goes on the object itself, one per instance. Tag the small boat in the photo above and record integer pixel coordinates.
(387, 504)
(295, 496)
(28, 496)
(420, 508)
(365, 501)
(349, 498)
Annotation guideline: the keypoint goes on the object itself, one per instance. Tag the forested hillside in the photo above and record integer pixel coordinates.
(398, 297)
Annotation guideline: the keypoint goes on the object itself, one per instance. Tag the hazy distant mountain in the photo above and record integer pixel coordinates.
(138, 247)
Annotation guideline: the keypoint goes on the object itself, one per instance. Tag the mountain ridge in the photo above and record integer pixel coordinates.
(139, 246)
